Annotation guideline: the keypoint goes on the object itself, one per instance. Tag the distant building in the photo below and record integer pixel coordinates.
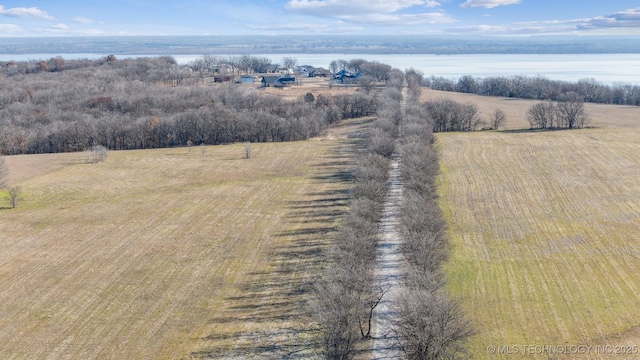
(305, 70)
(277, 81)
(270, 69)
(269, 80)
(287, 80)
(245, 79)
(320, 72)
(346, 77)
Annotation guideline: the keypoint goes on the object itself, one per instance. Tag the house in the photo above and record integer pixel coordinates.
(245, 79)
(287, 80)
(277, 81)
(320, 72)
(269, 80)
(270, 69)
(346, 77)
(305, 70)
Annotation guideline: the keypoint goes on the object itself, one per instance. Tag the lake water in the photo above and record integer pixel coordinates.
(605, 68)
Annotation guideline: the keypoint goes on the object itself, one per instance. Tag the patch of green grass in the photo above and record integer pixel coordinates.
(543, 230)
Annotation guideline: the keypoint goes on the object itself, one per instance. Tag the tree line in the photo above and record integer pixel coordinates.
(143, 103)
(539, 87)
(429, 324)
(346, 296)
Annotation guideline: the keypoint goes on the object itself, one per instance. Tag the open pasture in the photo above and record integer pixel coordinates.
(602, 115)
(168, 253)
(544, 228)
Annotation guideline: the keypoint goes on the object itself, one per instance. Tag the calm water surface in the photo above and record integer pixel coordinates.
(606, 68)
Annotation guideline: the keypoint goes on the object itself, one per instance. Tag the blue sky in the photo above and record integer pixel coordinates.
(353, 17)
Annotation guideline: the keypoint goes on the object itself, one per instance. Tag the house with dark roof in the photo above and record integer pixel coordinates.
(346, 77)
(277, 80)
(320, 72)
(269, 80)
(270, 69)
(245, 79)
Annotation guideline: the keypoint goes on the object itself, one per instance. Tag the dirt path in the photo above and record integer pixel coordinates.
(389, 265)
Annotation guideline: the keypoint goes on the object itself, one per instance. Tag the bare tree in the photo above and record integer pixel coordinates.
(235, 62)
(247, 149)
(334, 67)
(498, 118)
(571, 112)
(414, 80)
(449, 115)
(430, 326)
(4, 173)
(377, 70)
(289, 63)
(15, 195)
(336, 313)
(366, 82)
(542, 115)
(97, 153)
(467, 84)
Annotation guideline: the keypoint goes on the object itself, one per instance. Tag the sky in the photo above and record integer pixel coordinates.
(38, 18)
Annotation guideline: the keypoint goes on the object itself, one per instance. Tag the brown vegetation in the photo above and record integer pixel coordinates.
(346, 296)
(166, 253)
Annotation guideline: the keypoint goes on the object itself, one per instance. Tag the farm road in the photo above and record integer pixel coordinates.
(388, 267)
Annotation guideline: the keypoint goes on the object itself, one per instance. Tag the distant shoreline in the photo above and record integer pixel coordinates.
(321, 44)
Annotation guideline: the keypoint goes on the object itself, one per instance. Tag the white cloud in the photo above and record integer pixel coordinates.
(623, 19)
(82, 20)
(399, 19)
(488, 4)
(25, 12)
(336, 7)
(379, 12)
(10, 29)
(314, 28)
(59, 27)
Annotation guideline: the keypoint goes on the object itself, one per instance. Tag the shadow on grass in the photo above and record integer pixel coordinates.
(531, 131)
(273, 310)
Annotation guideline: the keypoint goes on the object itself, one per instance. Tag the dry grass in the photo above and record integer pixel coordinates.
(544, 227)
(169, 253)
(516, 110)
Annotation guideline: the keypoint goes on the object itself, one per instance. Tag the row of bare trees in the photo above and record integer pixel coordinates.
(568, 113)
(429, 324)
(347, 295)
(450, 115)
(124, 104)
(539, 87)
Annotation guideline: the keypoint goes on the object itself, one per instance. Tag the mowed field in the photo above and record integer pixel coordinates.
(544, 228)
(170, 253)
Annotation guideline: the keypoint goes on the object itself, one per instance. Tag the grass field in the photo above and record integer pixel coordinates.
(168, 253)
(602, 115)
(545, 230)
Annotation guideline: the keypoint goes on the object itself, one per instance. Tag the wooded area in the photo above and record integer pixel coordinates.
(63, 106)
